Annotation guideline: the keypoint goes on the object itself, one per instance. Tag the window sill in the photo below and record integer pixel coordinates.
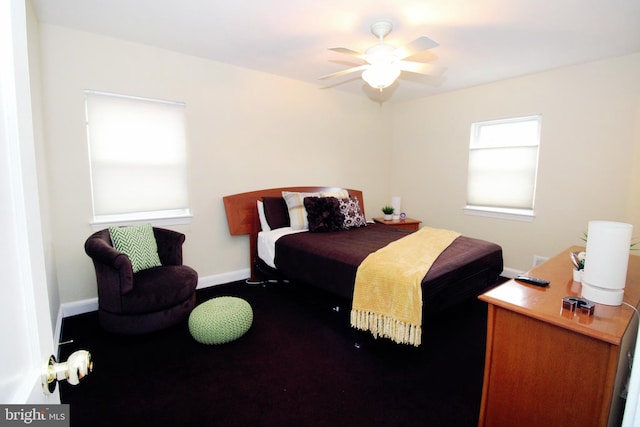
(526, 215)
(157, 219)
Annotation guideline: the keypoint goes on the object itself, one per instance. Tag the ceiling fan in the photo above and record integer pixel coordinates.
(385, 62)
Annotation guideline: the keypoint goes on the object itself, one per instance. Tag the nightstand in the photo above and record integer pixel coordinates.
(404, 224)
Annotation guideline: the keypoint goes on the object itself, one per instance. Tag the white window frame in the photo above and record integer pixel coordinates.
(160, 216)
(502, 212)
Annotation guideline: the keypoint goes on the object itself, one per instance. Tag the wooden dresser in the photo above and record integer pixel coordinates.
(544, 365)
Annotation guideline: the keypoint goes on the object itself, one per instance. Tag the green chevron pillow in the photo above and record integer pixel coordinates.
(138, 243)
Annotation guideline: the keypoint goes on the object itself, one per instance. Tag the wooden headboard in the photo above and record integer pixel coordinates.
(242, 213)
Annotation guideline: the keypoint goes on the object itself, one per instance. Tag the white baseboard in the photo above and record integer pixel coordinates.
(219, 279)
(78, 307)
(510, 272)
(68, 309)
(74, 308)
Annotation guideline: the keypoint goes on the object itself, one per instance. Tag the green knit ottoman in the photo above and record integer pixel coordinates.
(220, 320)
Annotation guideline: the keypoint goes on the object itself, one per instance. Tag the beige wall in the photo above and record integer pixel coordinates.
(35, 82)
(588, 165)
(246, 130)
(250, 130)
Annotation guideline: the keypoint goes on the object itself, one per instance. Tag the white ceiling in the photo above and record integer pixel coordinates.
(480, 41)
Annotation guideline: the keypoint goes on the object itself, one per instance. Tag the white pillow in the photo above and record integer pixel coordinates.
(264, 225)
(297, 211)
(339, 194)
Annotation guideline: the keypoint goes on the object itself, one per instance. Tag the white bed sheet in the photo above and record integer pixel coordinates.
(267, 243)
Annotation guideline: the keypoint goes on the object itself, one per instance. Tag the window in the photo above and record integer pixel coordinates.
(503, 163)
(138, 159)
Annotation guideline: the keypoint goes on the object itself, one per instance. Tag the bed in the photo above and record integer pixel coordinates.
(329, 260)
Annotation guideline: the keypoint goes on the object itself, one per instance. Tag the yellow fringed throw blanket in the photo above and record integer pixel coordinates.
(387, 298)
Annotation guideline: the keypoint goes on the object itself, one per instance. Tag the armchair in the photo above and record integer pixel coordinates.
(146, 301)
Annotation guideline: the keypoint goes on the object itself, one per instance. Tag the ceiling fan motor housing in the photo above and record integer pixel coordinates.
(381, 28)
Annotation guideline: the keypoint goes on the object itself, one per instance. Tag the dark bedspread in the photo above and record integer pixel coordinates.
(330, 261)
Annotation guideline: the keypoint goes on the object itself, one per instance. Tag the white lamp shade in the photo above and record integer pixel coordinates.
(395, 204)
(607, 258)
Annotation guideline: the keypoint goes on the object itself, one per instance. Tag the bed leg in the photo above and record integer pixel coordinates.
(354, 333)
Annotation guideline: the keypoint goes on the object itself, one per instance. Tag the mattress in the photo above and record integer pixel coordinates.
(330, 261)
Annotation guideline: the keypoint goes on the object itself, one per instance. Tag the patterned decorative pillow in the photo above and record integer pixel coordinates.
(297, 212)
(276, 212)
(353, 217)
(323, 214)
(138, 243)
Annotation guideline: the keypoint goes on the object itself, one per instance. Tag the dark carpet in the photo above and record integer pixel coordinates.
(299, 365)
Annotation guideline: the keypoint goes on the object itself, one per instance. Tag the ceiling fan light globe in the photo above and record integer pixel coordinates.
(381, 76)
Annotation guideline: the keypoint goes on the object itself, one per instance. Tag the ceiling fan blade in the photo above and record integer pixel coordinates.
(343, 72)
(347, 51)
(420, 68)
(418, 45)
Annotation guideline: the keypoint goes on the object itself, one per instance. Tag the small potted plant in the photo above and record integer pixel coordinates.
(388, 213)
(578, 259)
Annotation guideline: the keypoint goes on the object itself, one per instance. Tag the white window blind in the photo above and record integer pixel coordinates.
(503, 163)
(138, 157)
